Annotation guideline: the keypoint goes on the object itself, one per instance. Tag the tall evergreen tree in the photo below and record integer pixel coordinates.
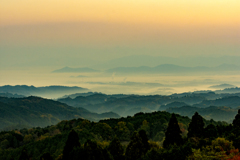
(116, 149)
(236, 121)
(46, 156)
(142, 133)
(173, 133)
(72, 141)
(196, 126)
(92, 151)
(135, 148)
(24, 155)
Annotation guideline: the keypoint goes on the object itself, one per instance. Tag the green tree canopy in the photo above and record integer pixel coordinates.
(135, 147)
(196, 126)
(72, 141)
(116, 149)
(173, 133)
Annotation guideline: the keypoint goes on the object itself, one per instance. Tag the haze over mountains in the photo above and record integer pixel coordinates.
(17, 113)
(153, 61)
(48, 91)
(22, 111)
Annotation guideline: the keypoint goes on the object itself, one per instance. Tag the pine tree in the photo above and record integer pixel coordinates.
(143, 136)
(236, 121)
(173, 133)
(72, 142)
(24, 155)
(116, 149)
(196, 126)
(92, 151)
(135, 148)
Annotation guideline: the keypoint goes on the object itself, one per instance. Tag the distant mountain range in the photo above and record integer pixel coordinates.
(170, 68)
(128, 105)
(39, 112)
(74, 70)
(152, 61)
(222, 86)
(217, 113)
(48, 91)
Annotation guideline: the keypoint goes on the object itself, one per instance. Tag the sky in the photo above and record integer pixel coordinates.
(102, 30)
(37, 37)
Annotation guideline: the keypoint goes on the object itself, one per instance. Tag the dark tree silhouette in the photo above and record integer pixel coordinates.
(92, 151)
(135, 147)
(196, 126)
(46, 156)
(116, 149)
(143, 135)
(24, 155)
(173, 133)
(236, 121)
(210, 131)
(72, 141)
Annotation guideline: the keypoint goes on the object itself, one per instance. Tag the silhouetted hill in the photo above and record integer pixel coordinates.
(170, 68)
(222, 86)
(48, 91)
(35, 111)
(232, 101)
(72, 70)
(217, 113)
(10, 95)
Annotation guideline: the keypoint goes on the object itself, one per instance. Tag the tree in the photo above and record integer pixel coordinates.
(46, 156)
(135, 148)
(116, 149)
(196, 126)
(92, 151)
(173, 133)
(236, 121)
(24, 155)
(72, 142)
(143, 136)
(210, 131)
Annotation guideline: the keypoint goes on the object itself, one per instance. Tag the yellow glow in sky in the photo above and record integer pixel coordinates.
(179, 12)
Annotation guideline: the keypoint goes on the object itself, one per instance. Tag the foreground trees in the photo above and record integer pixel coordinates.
(82, 139)
(173, 133)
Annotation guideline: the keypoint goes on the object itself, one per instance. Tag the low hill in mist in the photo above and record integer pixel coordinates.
(39, 112)
(48, 91)
(173, 69)
(152, 61)
(222, 86)
(217, 113)
(128, 105)
(74, 70)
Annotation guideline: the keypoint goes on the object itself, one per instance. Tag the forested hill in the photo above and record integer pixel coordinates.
(39, 112)
(50, 141)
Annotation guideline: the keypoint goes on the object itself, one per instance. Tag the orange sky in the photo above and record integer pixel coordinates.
(178, 12)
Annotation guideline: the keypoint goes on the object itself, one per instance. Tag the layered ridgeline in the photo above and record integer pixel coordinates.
(105, 138)
(225, 104)
(39, 112)
(174, 69)
(48, 91)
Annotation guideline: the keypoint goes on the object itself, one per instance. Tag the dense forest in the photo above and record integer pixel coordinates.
(144, 136)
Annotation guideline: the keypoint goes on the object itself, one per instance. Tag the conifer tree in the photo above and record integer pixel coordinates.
(116, 149)
(72, 141)
(135, 147)
(92, 151)
(173, 133)
(142, 133)
(236, 121)
(196, 126)
(24, 155)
